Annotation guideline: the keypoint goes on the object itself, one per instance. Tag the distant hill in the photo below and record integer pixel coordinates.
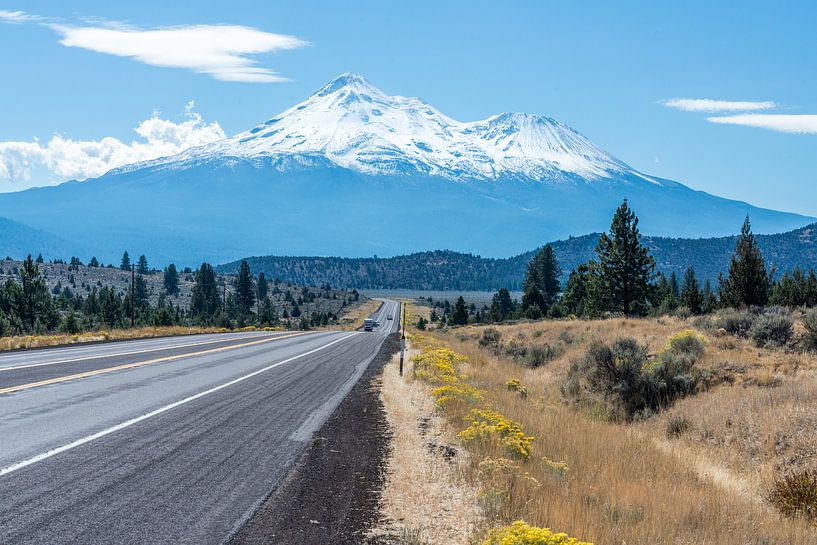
(448, 270)
(17, 240)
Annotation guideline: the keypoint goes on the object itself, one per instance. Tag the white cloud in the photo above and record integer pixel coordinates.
(709, 105)
(17, 17)
(66, 158)
(224, 52)
(221, 51)
(796, 124)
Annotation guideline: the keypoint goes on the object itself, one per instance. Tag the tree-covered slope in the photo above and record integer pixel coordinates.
(448, 270)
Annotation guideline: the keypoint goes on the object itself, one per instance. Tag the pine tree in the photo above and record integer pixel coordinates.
(204, 302)
(748, 282)
(625, 265)
(32, 301)
(263, 286)
(541, 286)
(125, 263)
(94, 262)
(171, 280)
(691, 295)
(577, 290)
(40, 258)
(460, 314)
(501, 305)
(244, 289)
(142, 266)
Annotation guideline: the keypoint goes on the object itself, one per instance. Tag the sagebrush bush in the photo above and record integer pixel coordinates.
(491, 338)
(677, 425)
(772, 329)
(795, 494)
(809, 337)
(736, 322)
(628, 381)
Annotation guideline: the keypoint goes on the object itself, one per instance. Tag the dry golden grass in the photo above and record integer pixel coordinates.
(629, 483)
(425, 499)
(39, 341)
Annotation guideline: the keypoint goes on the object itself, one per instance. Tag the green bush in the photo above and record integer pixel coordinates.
(796, 495)
(491, 338)
(622, 376)
(809, 338)
(538, 356)
(772, 329)
(736, 322)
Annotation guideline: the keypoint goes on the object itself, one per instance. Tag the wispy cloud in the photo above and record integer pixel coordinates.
(224, 52)
(66, 158)
(711, 106)
(221, 51)
(795, 124)
(17, 17)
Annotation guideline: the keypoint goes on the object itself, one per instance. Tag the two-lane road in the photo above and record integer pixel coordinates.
(164, 440)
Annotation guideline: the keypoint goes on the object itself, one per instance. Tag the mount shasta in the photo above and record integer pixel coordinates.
(352, 171)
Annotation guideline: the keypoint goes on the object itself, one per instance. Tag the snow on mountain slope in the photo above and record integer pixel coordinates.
(353, 124)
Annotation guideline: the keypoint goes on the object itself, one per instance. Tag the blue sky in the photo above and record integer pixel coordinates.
(604, 68)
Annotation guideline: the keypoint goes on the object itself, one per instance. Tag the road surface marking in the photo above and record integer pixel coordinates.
(95, 372)
(130, 353)
(132, 421)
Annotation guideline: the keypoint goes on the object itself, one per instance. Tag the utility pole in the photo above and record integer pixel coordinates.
(402, 336)
(132, 295)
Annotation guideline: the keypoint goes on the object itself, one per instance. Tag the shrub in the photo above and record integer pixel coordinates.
(515, 385)
(796, 495)
(772, 329)
(520, 533)
(491, 338)
(686, 341)
(538, 356)
(677, 425)
(809, 338)
(622, 376)
(489, 426)
(735, 322)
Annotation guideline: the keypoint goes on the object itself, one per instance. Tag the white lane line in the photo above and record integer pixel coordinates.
(130, 353)
(132, 421)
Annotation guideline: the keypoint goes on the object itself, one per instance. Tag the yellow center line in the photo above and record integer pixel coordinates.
(96, 372)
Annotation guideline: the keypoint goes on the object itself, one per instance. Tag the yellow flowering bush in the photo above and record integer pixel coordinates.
(515, 385)
(558, 467)
(489, 426)
(456, 392)
(520, 533)
(686, 341)
(438, 365)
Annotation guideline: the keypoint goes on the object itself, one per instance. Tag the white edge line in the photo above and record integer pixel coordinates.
(132, 421)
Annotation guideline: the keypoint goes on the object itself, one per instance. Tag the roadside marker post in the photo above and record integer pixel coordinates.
(402, 336)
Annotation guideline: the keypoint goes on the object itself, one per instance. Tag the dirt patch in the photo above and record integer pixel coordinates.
(333, 493)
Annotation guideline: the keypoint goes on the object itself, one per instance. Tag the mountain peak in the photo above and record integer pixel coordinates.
(355, 125)
(350, 81)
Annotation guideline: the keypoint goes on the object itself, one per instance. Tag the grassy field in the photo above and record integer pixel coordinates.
(479, 298)
(699, 471)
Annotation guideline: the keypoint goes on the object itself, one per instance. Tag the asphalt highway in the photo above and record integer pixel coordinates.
(174, 440)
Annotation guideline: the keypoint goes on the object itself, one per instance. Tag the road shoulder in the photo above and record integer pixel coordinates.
(333, 492)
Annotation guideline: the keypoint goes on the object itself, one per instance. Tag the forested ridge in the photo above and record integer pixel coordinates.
(449, 270)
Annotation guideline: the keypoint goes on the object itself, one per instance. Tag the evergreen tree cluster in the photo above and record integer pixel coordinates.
(27, 306)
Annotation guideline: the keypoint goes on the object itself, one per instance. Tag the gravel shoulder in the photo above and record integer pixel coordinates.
(333, 493)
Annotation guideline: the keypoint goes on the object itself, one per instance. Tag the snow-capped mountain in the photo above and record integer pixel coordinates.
(355, 125)
(352, 171)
